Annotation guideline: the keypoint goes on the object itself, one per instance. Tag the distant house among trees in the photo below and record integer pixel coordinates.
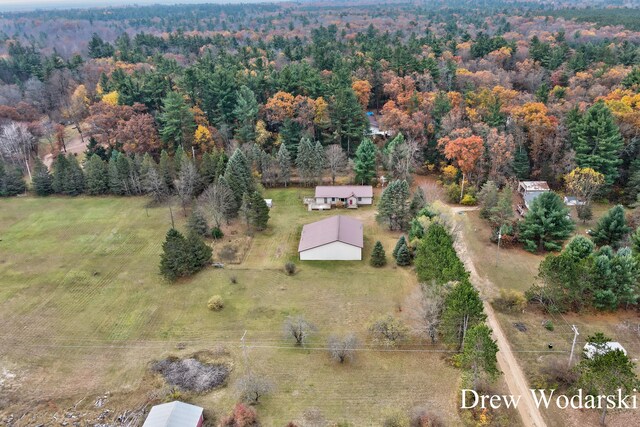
(529, 190)
(351, 195)
(174, 414)
(338, 238)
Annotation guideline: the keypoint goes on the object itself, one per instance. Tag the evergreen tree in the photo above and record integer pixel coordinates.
(463, 310)
(598, 143)
(348, 118)
(401, 242)
(177, 120)
(199, 253)
(436, 259)
(393, 207)
(290, 135)
(197, 223)
(73, 184)
(179, 157)
(417, 202)
(521, 165)
(97, 175)
(245, 113)
(488, 198)
(479, 354)
(284, 163)
(11, 181)
(305, 161)
(378, 257)
(546, 225)
(173, 260)
(165, 170)
(42, 180)
(209, 168)
(238, 176)
(365, 162)
(255, 211)
(118, 171)
(59, 167)
(612, 228)
(403, 257)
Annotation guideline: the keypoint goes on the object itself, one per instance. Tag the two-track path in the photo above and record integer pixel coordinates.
(513, 374)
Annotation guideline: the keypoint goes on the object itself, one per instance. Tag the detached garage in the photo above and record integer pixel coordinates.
(174, 414)
(338, 238)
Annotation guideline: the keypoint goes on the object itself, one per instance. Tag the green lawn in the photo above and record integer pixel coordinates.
(84, 312)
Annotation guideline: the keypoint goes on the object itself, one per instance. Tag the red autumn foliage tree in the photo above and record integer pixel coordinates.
(463, 148)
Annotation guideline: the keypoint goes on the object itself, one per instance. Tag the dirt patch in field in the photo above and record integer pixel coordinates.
(192, 374)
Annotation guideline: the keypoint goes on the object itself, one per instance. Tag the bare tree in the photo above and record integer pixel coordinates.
(17, 144)
(186, 184)
(218, 200)
(430, 310)
(342, 349)
(252, 387)
(336, 160)
(388, 330)
(299, 328)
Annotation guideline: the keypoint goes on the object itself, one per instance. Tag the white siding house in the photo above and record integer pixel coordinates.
(338, 238)
(350, 195)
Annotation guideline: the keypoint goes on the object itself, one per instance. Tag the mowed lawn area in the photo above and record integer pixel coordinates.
(84, 312)
(516, 269)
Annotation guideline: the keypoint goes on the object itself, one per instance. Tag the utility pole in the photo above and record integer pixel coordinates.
(173, 225)
(575, 337)
(498, 248)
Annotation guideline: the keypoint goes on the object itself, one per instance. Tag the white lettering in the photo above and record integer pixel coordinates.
(543, 397)
(464, 398)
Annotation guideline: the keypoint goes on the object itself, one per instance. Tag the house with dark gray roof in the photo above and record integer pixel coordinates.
(337, 238)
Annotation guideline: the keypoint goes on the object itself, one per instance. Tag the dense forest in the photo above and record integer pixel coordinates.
(500, 90)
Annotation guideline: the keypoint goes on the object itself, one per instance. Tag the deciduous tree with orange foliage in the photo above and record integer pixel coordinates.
(463, 148)
(362, 88)
(279, 107)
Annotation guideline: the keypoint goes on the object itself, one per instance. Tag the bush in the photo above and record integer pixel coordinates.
(233, 279)
(290, 268)
(216, 233)
(468, 200)
(453, 192)
(388, 330)
(215, 303)
(510, 301)
(242, 416)
(548, 325)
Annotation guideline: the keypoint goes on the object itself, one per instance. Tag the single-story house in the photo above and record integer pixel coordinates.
(337, 238)
(591, 350)
(529, 190)
(573, 201)
(174, 414)
(351, 195)
(374, 128)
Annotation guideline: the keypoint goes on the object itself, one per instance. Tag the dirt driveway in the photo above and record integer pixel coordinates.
(74, 145)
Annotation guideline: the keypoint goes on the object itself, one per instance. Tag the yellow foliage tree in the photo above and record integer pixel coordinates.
(584, 183)
(111, 98)
(262, 134)
(202, 139)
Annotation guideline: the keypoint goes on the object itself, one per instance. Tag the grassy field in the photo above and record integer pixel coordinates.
(517, 269)
(84, 312)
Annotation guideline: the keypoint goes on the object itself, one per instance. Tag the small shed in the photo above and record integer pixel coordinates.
(529, 190)
(573, 201)
(174, 414)
(591, 349)
(337, 238)
(269, 203)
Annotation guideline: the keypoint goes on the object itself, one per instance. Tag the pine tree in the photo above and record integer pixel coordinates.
(238, 176)
(305, 161)
(179, 157)
(197, 223)
(546, 225)
(73, 184)
(118, 173)
(97, 176)
(59, 167)
(611, 228)
(393, 207)
(177, 120)
(199, 253)
(260, 211)
(365, 162)
(521, 165)
(378, 257)
(403, 257)
(479, 354)
(488, 198)
(463, 310)
(11, 181)
(245, 113)
(209, 168)
(284, 163)
(436, 259)
(401, 242)
(165, 170)
(598, 143)
(42, 180)
(417, 202)
(173, 260)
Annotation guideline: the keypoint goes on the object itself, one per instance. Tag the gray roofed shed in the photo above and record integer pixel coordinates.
(174, 414)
